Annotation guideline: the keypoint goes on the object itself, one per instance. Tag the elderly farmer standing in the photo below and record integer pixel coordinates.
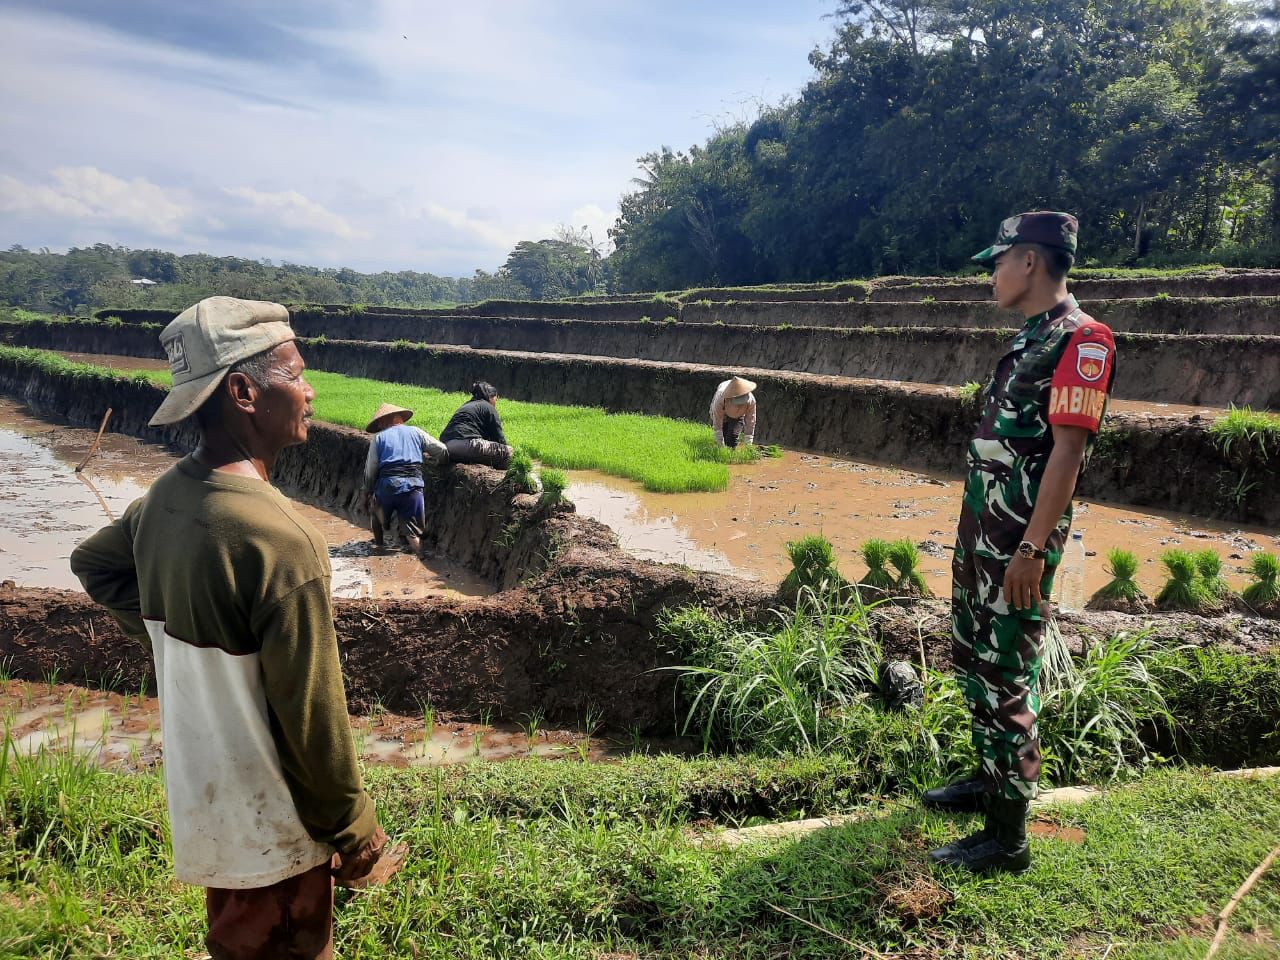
(1040, 415)
(393, 473)
(230, 586)
(733, 412)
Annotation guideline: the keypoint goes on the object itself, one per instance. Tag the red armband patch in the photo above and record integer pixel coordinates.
(1082, 380)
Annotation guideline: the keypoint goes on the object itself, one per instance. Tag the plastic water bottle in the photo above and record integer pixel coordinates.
(1070, 579)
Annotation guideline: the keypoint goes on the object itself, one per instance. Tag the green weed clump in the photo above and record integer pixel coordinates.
(813, 567)
(1123, 566)
(1184, 590)
(779, 690)
(904, 557)
(1244, 432)
(1263, 594)
(1095, 711)
(875, 553)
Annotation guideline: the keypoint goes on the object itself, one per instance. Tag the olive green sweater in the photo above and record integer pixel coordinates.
(231, 587)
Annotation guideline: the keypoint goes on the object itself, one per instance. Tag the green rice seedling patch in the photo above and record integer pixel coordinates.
(662, 454)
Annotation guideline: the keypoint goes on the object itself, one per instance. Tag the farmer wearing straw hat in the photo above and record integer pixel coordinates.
(733, 412)
(229, 587)
(393, 473)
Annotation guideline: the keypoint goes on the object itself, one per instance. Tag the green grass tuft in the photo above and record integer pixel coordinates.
(554, 483)
(813, 567)
(1244, 431)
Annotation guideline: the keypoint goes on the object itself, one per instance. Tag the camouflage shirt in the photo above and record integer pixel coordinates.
(1058, 370)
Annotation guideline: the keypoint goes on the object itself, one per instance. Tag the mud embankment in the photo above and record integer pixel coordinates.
(1168, 462)
(1172, 462)
(1172, 315)
(575, 634)
(1210, 371)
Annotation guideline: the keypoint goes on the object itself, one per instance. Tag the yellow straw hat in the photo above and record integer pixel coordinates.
(384, 411)
(739, 387)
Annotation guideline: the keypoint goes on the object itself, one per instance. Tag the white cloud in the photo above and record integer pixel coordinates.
(87, 193)
(483, 229)
(291, 209)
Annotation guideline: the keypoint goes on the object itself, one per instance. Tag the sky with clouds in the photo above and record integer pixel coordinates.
(374, 134)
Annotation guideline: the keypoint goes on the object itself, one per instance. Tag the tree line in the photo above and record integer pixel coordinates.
(86, 278)
(928, 121)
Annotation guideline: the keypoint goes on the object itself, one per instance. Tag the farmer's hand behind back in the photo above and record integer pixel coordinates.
(371, 865)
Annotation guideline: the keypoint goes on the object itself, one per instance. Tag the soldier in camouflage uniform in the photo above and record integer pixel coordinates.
(1040, 413)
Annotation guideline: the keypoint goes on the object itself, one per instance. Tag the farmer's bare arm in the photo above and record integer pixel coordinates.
(1022, 578)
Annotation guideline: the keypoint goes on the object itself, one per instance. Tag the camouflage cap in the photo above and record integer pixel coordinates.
(1045, 227)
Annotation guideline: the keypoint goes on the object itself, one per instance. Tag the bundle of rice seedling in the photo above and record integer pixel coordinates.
(1122, 591)
(905, 558)
(876, 554)
(1209, 566)
(813, 566)
(1264, 593)
(520, 473)
(1184, 591)
(553, 486)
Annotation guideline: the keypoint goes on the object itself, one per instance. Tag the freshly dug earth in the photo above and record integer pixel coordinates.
(557, 646)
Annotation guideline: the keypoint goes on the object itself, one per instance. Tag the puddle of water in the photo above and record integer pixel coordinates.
(46, 508)
(123, 730)
(745, 529)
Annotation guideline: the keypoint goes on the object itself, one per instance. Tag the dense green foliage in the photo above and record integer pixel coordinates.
(927, 122)
(86, 278)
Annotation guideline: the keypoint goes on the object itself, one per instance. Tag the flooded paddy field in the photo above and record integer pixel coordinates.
(46, 508)
(745, 530)
(122, 731)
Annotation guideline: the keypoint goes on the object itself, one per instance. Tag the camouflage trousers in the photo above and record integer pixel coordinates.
(997, 653)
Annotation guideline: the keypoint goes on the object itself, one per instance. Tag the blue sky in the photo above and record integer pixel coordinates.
(375, 134)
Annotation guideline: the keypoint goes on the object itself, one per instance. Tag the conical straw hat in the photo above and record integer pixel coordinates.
(384, 411)
(738, 387)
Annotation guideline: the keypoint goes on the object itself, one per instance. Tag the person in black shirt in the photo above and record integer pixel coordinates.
(474, 433)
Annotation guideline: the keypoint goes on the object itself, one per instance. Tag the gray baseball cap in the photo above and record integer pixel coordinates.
(203, 342)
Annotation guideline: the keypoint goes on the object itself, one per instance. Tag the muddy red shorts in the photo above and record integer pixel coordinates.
(291, 919)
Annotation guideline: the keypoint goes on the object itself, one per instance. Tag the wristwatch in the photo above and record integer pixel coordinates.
(1029, 550)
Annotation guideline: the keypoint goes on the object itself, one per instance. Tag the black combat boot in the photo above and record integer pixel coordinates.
(1005, 847)
(963, 796)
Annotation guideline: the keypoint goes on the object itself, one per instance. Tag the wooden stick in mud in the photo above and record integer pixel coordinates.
(1234, 902)
(96, 440)
(111, 518)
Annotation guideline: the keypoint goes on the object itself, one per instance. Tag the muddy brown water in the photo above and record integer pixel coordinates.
(123, 731)
(46, 508)
(745, 529)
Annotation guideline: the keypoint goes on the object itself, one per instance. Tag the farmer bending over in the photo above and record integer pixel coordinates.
(733, 412)
(474, 433)
(230, 587)
(393, 473)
